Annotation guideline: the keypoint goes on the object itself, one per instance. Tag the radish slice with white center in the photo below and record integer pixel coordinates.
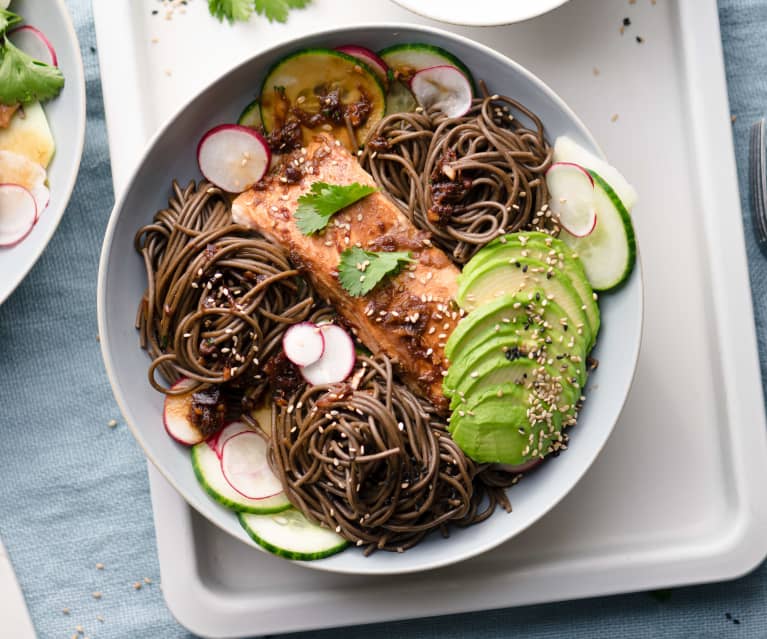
(233, 157)
(18, 214)
(18, 169)
(33, 42)
(246, 467)
(571, 189)
(445, 88)
(303, 343)
(175, 415)
(368, 57)
(337, 360)
(218, 440)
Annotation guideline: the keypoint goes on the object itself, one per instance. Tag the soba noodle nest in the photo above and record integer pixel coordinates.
(467, 180)
(218, 297)
(374, 463)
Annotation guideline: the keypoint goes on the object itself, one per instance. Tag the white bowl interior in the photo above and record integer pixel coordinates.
(66, 115)
(122, 282)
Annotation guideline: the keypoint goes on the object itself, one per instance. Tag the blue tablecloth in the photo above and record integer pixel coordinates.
(73, 490)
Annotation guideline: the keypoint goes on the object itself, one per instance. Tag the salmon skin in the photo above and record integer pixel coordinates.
(407, 317)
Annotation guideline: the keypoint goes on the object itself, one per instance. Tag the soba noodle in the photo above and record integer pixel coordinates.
(467, 179)
(374, 463)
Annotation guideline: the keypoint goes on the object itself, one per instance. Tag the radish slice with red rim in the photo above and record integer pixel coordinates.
(303, 343)
(233, 157)
(246, 467)
(524, 467)
(20, 170)
(218, 440)
(33, 42)
(337, 360)
(175, 415)
(572, 198)
(18, 214)
(445, 88)
(368, 57)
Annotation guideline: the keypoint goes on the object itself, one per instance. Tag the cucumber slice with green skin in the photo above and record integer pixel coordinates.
(207, 469)
(406, 59)
(291, 535)
(400, 99)
(608, 253)
(251, 116)
(304, 74)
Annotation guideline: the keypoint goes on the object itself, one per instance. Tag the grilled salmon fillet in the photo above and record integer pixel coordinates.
(407, 317)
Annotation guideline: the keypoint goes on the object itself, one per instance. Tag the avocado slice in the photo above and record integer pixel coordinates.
(502, 276)
(504, 357)
(496, 428)
(544, 248)
(518, 309)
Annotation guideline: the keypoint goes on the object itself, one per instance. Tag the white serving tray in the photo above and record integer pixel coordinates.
(678, 496)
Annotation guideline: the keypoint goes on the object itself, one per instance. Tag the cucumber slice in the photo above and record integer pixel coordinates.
(291, 535)
(207, 469)
(304, 75)
(406, 59)
(400, 99)
(567, 150)
(608, 253)
(251, 116)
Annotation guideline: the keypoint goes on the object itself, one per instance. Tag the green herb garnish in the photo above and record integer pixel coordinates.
(272, 10)
(316, 207)
(24, 79)
(360, 271)
(7, 20)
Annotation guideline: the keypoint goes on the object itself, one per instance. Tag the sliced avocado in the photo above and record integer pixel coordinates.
(504, 276)
(496, 427)
(544, 248)
(521, 308)
(506, 357)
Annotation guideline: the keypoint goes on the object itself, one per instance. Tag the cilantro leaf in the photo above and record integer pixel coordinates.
(24, 79)
(360, 271)
(323, 200)
(7, 20)
(277, 10)
(231, 9)
(272, 10)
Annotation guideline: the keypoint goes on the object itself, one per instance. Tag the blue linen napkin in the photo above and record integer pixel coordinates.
(75, 513)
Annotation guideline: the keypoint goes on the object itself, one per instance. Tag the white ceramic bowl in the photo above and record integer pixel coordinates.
(122, 281)
(480, 13)
(66, 115)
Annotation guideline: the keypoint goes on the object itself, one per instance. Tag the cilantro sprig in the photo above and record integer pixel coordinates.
(8, 19)
(316, 207)
(241, 10)
(22, 78)
(360, 271)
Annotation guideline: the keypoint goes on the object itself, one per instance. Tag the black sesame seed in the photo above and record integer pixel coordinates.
(736, 622)
(728, 616)
(626, 22)
(524, 268)
(155, 12)
(640, 39)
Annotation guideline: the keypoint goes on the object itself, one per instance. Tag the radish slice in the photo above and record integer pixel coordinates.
(18, 169)
(368, 57)
(520, 468)
(175, 415)
(336, 362)
(18, 214)
(303, 343)
(33, 42)
(445, 88)
(571, 190)
(233, 157)
(246, 467)
(218, 440)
